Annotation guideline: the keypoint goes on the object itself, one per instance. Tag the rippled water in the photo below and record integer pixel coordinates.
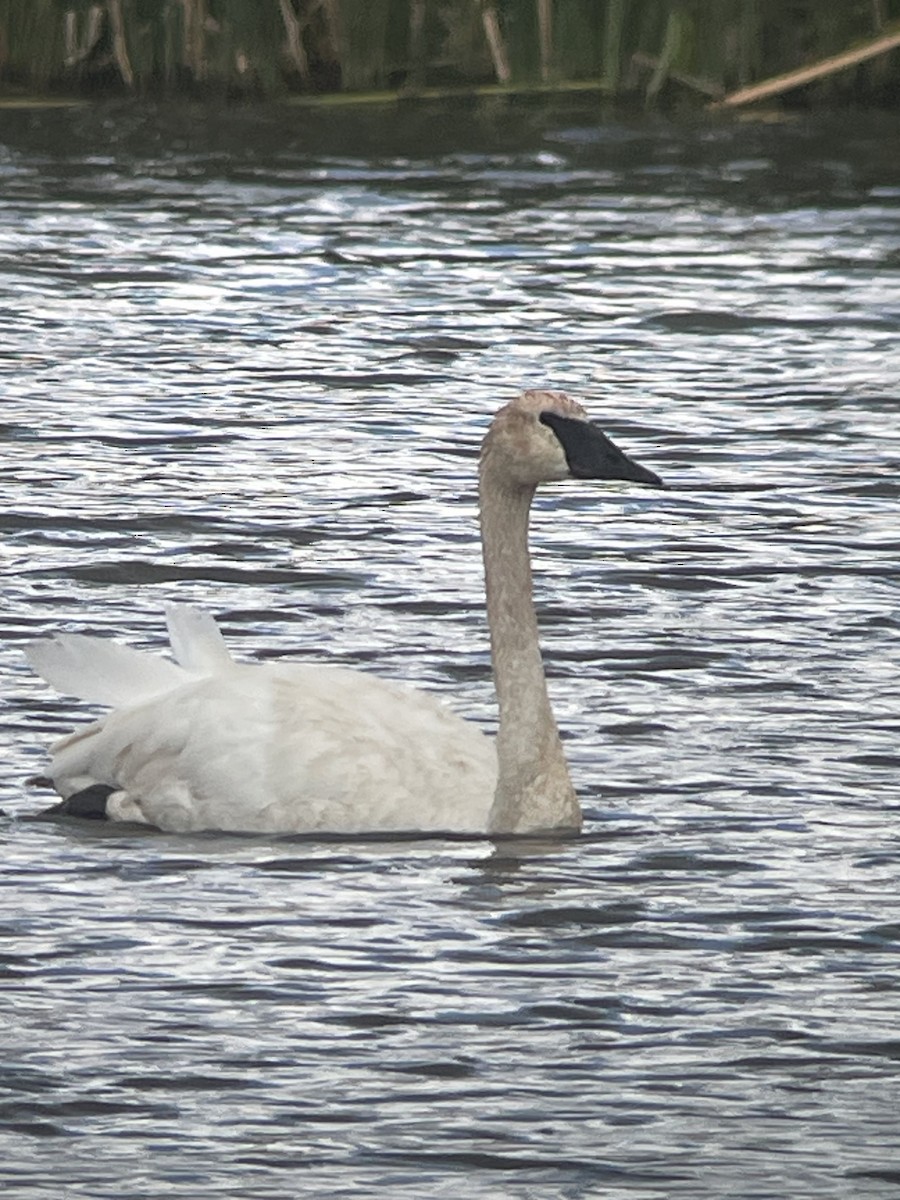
(247, 358)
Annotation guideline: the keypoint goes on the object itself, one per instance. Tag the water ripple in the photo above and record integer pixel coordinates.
(247, 362)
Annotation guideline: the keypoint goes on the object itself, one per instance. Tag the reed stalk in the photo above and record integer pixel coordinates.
(545, 38)
(492, 32)
(613, 33)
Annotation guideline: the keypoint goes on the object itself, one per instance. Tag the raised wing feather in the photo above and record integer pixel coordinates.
(197, 641)
(102, 670)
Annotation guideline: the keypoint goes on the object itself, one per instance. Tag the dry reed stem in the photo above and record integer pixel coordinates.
(793, 79)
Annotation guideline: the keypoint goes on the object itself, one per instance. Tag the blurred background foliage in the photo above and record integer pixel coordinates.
(659, 50)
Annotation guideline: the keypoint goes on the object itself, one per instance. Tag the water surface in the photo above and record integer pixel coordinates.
(247, 360)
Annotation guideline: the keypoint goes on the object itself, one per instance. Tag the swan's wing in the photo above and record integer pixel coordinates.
(107, 672)
(197, 641)
(101, 670)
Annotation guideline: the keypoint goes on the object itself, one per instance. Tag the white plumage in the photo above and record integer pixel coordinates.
(208, 743)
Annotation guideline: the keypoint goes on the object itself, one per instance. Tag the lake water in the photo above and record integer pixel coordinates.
(247, 359)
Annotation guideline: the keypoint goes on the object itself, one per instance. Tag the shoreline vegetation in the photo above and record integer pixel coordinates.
(660, 53)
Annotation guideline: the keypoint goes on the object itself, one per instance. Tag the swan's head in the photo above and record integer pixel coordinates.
(543, 436)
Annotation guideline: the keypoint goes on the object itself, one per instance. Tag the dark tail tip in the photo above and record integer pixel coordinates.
(89, 804)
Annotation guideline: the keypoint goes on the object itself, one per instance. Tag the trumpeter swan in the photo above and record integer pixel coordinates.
(208, 743)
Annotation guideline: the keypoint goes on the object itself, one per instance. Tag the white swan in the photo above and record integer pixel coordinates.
(289, 748)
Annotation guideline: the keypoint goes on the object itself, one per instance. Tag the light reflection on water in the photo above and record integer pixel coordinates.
(253, 373)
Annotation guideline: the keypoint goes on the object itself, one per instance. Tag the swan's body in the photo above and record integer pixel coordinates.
(270, 747)
(213, 744)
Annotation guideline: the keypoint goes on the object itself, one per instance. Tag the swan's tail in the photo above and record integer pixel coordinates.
(106, 672)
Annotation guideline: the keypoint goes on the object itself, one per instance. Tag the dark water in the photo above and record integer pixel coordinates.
(246, 361)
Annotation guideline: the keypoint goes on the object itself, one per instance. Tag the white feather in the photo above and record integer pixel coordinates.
(101, 670)
(197, 641)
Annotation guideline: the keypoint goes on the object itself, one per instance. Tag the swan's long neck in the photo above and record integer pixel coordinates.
(534, 791)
